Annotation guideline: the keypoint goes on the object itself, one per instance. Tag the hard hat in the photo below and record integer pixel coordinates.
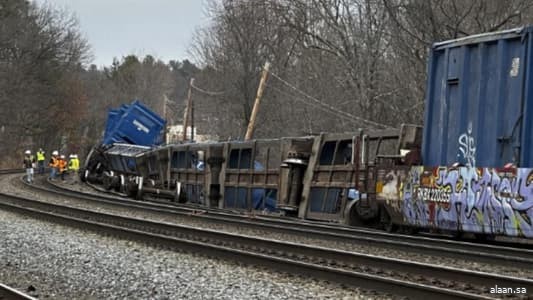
(62, 156)
(27, 152)
(75, 155)
(71, 156)
(55, 153)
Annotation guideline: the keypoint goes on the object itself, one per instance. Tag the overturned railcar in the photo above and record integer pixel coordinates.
(115, 166)
(340, 181)
(258, 174)
(130, 131)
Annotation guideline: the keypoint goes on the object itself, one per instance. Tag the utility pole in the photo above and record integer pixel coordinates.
(255, 109)
(165, 100)
(188, 109)
(192, 121)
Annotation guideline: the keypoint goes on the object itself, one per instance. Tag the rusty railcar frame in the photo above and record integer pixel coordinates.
(196, 184)
(328, 183)
(240, 172)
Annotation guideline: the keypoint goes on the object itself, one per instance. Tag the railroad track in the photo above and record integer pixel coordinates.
(10, 171)
(9, 293)
(481, 253)
(394, 276)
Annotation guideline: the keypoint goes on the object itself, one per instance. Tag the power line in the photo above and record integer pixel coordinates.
(214, 94)
(322, 103)
(312, 104)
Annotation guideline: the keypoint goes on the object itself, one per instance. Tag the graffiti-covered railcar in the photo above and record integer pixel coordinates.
(479, 104)
(476, 171)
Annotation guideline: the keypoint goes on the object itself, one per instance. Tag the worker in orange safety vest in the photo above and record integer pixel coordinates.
(54, 165)
(62, 167)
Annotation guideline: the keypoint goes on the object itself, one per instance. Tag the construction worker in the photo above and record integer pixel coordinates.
(40, 160)
(29, 163)
(54, 165)
(74, 166)
(62, 167)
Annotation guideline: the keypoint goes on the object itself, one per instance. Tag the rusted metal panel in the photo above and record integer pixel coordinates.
(251, 174)
(330, 174)
(195, 171)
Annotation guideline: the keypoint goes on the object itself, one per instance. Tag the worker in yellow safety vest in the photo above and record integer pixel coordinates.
(74, 166)
(74, 163)
(40, 160)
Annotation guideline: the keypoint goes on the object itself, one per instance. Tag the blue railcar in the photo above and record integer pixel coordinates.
(134, 124)
(479, 102)
(476, 150)
(113, 117)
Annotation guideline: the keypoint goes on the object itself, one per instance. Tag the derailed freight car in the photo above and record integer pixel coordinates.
(477, 165)
(184, 173)
(330, 177)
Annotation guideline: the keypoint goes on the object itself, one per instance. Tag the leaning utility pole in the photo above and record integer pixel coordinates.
(168, 124)
(188, 109)
(255, 109)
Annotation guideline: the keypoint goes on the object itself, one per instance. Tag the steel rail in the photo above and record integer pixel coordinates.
(169, 234)
(9, 293)
(482, 253)
(10, 171)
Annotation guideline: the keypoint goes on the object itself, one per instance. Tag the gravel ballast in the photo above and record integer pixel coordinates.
(20, 189)
(55, 262)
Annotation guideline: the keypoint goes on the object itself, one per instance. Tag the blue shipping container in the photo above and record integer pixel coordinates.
(113, 118)
(479, 102)
(134, 124)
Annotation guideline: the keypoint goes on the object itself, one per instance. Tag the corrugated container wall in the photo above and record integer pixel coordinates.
(479, 106)
(134, 124)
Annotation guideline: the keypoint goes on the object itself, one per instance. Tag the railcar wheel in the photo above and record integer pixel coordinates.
(118, 183)
(458, 235)
(483, 237)
(387, 222)
(390, 227)
(411, 230)
(107, 181)
(130, 189)
(83, 174)
(354, 218)
(139, 195)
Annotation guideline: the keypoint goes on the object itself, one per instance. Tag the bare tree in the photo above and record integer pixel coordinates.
(41, 48)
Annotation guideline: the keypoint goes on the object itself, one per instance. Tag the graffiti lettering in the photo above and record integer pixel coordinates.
(467, 146)
(478, 200)
(433, 194)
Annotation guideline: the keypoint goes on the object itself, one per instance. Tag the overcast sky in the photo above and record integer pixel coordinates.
(114, 28)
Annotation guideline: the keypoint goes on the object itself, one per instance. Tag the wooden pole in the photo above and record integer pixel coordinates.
(192, 120)
(187, 110)
(165, 100)
(255, 109)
